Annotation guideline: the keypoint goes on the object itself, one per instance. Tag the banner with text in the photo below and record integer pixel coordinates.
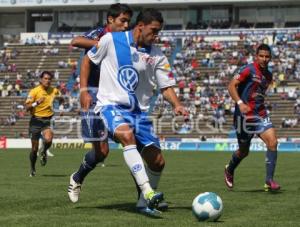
(221, 145)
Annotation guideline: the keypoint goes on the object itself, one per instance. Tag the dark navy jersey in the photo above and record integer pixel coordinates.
(252, 89)
(94, 34)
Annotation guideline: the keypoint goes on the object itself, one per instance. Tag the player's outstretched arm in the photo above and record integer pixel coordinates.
(83, 42)
(85, 98)
(170, 95)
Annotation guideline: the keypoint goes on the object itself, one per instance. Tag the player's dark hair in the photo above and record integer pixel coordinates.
(46, 73)
(263, 47)
(148, 15)
(116, 9)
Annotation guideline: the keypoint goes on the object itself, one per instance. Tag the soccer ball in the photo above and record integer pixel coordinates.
(207, 206)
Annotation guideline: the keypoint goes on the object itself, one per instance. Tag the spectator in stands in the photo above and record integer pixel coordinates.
(62, 64)
(186, 127)
(56, 74)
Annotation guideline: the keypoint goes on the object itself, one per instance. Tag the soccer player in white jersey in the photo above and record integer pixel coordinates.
(131, 67)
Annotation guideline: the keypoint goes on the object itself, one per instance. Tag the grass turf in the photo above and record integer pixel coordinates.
(108, 195)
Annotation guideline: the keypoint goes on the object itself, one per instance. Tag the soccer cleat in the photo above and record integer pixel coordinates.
(228, 178)
(49, 154)
(162, 206)
(142, 204)
(43, 159)
(271, 186)
(153, 199)
(74, 189)
(32, 173)
(149, 212)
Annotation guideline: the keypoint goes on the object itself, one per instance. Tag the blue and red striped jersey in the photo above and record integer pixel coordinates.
(252, 89)
(94, 34)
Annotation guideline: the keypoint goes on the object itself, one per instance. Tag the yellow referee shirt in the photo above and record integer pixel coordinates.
(45, 108)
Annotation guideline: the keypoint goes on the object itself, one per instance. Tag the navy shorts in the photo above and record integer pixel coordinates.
(37, 125)
(92, 127)
(246, 129)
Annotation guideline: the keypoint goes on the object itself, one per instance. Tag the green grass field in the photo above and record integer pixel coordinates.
(108, 195)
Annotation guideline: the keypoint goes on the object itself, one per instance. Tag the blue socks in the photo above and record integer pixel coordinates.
(271, 158)
(234, 162)
(89, 163)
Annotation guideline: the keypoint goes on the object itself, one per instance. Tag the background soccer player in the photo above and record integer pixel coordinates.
(39, 103)
(248, 88)
(118, 19)
(130, 68)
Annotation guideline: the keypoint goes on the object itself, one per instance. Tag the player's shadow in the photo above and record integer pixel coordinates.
(259, 191)
(54, 175)
(179, 208)
(124, 207)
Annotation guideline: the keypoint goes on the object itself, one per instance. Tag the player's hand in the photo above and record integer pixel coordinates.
(85, 100)
(244, 108)
(181, 110)
(40, 100)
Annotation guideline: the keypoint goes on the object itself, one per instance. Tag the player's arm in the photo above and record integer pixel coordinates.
(85, 69)
(94, 55)
(31, 103)
(83, 42)
(166, 81)
(170, 95)
(233, 92)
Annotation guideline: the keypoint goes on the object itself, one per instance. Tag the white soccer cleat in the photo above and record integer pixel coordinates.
(74, 190)
(49, 154)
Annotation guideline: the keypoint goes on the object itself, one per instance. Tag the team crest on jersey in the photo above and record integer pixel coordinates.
(256, 78)
(135, 57)
(167, 67)
(128, 78)
(148, 59)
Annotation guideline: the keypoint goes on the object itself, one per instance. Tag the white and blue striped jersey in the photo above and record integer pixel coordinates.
(129, 75)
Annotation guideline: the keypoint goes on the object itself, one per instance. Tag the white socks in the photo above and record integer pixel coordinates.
(154, 177)
(136, 165)
(153, 180)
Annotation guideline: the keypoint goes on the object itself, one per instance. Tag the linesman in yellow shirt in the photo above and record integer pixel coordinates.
(39, 102)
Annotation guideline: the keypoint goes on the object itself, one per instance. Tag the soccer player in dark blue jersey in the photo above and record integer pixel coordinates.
(247, 89)
(93, 130)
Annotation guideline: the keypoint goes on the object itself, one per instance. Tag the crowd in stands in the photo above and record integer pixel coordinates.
(225, 24)
(201, 80)
(202, 70)
(5, 56)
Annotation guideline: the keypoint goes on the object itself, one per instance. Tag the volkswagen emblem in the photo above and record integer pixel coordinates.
(128, 78)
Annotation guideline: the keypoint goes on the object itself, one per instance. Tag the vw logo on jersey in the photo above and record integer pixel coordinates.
(128, 77)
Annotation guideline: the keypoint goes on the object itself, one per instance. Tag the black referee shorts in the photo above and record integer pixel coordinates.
(37, 125)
